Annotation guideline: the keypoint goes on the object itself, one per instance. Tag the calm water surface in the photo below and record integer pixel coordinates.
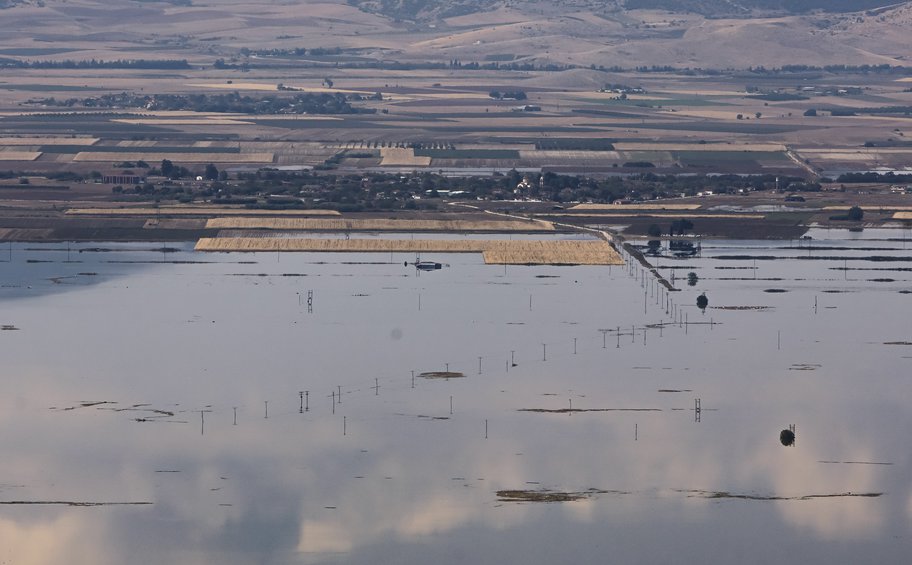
(174, 380)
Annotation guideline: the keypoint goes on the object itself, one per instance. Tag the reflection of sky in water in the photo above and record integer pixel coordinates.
(408, 482)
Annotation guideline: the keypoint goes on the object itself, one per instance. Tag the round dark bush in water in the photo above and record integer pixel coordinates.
(702, 302)
(787, 437)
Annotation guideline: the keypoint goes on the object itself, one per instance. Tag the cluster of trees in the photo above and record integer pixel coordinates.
(233, 102)
(98, 64)
(871, 177)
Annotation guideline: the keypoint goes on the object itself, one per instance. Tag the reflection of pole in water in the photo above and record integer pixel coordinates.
(266, 409)
(698, 409)
(574, 346)
(235, 415)
(604, 338)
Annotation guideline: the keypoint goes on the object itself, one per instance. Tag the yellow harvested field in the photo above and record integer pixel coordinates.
(101, 157)
(19, 155)
(320, 224)
(640, 146)
(403, 157)
(18, 141)
(636, 207)
(903, 215)
(598, 252)
(194, 211)
(558, 252)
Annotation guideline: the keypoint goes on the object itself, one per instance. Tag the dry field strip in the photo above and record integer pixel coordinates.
(37, 141)
(499, 252)
(341, 224)
(104, 157)
(402, 157)
(903, 215)
(19, 155)
(636, 207)
(195, 211)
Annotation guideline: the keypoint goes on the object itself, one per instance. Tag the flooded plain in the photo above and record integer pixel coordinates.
(166, 405)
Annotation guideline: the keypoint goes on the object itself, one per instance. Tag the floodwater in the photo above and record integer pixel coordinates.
(152, 407)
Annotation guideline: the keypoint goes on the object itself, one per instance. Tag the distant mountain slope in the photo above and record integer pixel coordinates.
(423, 9)
(730, 7)
(414, 10)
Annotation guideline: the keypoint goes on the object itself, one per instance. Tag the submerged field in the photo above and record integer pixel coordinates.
(358, 409)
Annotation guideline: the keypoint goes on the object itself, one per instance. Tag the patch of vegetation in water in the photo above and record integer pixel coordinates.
(546, 495)
(442, 375)
(726, 494)
(775, 290)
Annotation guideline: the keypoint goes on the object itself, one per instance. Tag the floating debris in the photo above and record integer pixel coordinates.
(857, 462)
(70, 503)
(742, 308)
(8, 327)
(545, 495)
(726, 494)
(442, 375)
(898, 343)
(775, 290)
(805, 367)
(574, 410)
(675, 390)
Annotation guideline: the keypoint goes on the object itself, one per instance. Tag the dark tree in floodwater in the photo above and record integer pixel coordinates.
(787, 437)
(702, 302)
(692, 279)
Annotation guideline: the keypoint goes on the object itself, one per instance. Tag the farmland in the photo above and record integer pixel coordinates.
(348, 109)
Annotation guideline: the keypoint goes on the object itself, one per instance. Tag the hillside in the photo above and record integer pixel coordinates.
(717, 8)
(578, 33)
(415, 10)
